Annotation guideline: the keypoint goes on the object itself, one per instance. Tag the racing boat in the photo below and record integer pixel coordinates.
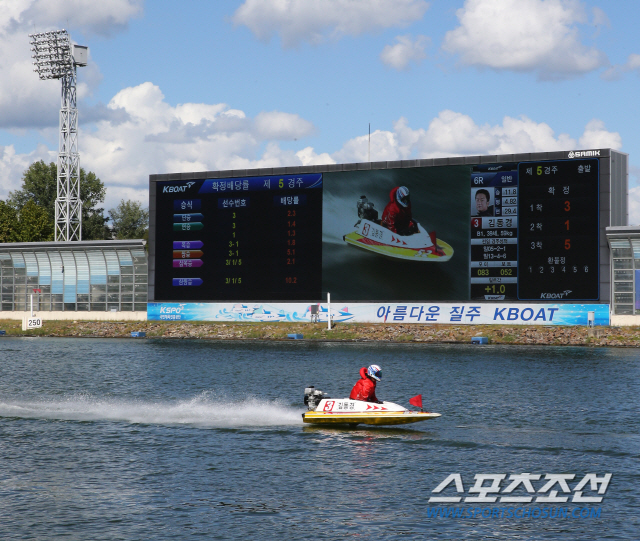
(370, 235)
(344, 411)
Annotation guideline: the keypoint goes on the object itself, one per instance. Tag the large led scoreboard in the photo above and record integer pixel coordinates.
(492, 229)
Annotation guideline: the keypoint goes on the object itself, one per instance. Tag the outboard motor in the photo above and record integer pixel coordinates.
(312, 397)
(366, 210)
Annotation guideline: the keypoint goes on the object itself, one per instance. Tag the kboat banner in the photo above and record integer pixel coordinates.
(466, 313)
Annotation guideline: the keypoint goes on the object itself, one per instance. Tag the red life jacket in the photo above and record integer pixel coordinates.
(364, 389)
(396, 217)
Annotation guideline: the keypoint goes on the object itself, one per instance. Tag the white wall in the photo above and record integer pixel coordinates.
(77, 316)
(625, 321)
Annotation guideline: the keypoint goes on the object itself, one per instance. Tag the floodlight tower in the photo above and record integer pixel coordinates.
(55, 57)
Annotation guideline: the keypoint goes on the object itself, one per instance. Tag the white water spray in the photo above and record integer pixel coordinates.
(201, 411)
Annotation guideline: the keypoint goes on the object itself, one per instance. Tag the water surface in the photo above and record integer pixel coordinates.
(164, 439)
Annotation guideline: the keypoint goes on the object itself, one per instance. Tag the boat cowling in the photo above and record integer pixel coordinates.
(313, 397)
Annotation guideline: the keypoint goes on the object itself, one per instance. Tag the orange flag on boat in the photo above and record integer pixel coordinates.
(416, 401)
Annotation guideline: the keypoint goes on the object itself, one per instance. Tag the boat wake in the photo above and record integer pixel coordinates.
(201, 411)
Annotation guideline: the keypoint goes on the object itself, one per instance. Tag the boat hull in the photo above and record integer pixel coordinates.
(395, 252)
(377, 239)
(366, 418)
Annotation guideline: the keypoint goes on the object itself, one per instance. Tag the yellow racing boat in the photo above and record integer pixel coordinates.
(372, 236)
(344, 411)
(375, 238)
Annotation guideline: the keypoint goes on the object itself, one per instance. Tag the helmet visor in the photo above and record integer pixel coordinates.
(402, 195)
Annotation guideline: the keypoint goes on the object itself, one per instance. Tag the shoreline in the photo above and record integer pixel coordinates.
(345, 332)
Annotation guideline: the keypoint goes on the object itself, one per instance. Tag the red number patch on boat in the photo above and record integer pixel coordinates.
(329, 405)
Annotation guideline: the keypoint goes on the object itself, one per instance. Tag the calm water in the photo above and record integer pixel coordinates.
(126, 439)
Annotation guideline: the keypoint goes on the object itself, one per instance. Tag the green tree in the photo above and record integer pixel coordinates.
(31, 224)
(130, 220)
(94, 222)
(34, 224)
(40, 185)
(8, 223)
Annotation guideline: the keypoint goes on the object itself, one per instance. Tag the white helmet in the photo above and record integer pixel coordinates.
(375, 372)
(402, 195)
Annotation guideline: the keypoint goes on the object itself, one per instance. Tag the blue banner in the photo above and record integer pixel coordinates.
(468, 313)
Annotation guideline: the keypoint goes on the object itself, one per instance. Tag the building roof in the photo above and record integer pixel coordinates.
(78, 244)
(624, 231)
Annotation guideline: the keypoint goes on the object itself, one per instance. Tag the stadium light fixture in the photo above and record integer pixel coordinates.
(55, 57)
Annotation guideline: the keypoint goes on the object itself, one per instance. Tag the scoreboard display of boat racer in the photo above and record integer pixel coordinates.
(507, 231)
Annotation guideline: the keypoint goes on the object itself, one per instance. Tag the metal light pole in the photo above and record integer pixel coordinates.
(55, 57)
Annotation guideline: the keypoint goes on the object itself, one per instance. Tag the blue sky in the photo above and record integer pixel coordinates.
(184, 86)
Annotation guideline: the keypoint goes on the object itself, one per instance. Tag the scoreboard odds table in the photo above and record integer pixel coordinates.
(232, 239)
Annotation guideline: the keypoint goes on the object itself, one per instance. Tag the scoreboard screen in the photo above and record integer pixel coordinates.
(537, 236)
(520, 231)
(239, 238)
(559, 234)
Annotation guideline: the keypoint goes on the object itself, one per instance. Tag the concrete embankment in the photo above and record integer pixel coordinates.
(497, 334)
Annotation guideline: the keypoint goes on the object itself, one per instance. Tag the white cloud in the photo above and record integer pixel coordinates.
(157, 137)
(25, 100)
(615, 72)
(457, 134)
(282, 126)
(634, 61)
(308, 156)
(103, 18)
(320, 20)
(596, 136)
(600, 19)
(540, 36)
(148, 135)
(13, 165)
(384, 147)
(153, 136)
(406, 50)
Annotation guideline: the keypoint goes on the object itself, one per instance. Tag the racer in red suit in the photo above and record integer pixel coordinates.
(397, 214)
(365, 388)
